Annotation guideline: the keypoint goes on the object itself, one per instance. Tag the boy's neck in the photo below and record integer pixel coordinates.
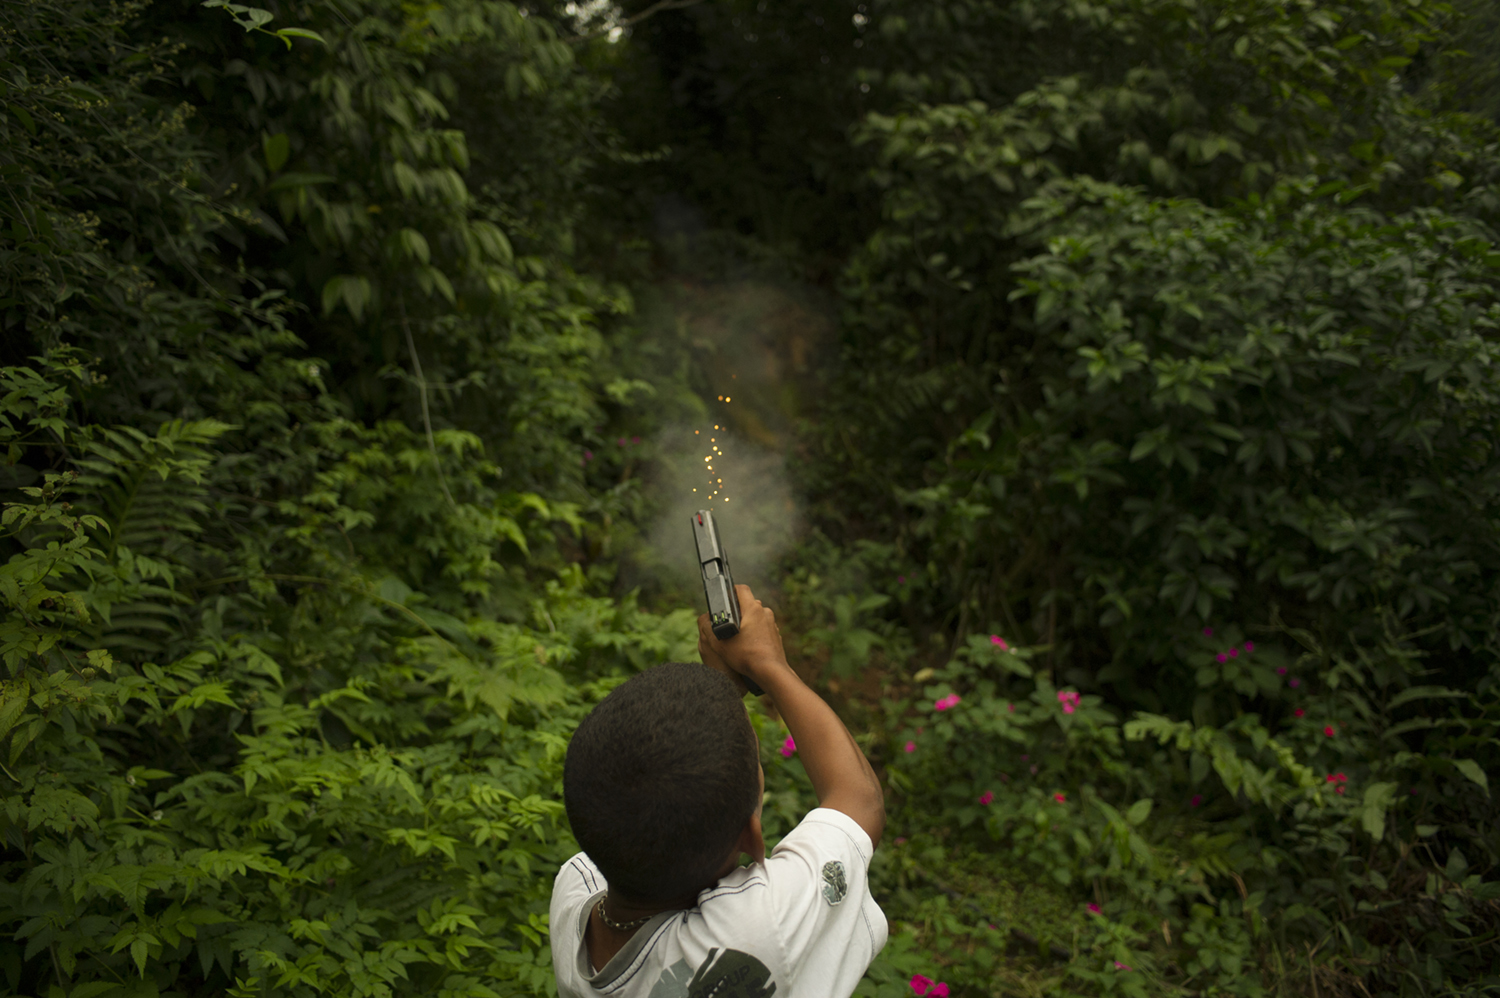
(604, 940)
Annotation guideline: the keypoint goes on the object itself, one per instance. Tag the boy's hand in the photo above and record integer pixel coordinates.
(711, 658)
(752, 652)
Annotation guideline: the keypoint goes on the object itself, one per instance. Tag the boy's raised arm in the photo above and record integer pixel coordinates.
(841, 775)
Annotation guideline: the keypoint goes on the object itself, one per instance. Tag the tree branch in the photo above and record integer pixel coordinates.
(656, 8)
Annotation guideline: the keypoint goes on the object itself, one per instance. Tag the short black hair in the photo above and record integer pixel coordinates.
(660, 779)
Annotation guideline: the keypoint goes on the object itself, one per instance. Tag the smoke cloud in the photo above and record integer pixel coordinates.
(748, 492)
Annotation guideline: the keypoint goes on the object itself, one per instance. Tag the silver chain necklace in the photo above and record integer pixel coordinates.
(621, 926)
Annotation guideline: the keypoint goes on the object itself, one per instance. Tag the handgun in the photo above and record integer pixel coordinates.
(718, 583)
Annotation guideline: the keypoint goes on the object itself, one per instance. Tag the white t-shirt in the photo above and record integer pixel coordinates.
(800, 925)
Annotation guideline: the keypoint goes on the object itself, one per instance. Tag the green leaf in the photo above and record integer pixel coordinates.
(1377, 800)
(1139, 811)
(276, 147)
(1471, 769)
(1424, 693)
(24, 117)
(351, 291)
(287, 33)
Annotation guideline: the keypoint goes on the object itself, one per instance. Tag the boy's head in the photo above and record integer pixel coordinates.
(661, 779)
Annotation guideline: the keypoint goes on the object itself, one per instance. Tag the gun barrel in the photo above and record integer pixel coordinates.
(718, 582)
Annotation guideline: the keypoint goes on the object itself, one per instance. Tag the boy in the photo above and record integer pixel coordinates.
(663, 787)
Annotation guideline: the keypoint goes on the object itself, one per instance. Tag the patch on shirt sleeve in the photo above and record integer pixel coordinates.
(835, 884)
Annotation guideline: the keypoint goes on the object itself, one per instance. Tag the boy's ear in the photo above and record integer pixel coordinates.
(752, 842)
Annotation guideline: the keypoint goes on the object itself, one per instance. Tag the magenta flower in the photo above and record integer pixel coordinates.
(1061, 798)
(1328, 730)
(1249, 647)
(1011, 707)
(901, 579)
(921, 985)
(1221, 657)
(1294, 682)
(951, 700)
(635, 440)
(999, 642)
(1068, 699)
(1208, 632)
(588, 455)
(1197, 800)
(987, 797)
(788, 747)
(1121, 966)
(1281, 670)
(911, 746)
(1094, 909)
(1298, 712)
(621, 441)
(1336, 778)
(939, 990)
(1234, 653)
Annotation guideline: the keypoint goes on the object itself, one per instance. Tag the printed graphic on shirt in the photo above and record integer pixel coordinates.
(732, 975)
(835, 884)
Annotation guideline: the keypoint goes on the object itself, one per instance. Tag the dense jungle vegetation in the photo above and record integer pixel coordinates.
(1132, 369)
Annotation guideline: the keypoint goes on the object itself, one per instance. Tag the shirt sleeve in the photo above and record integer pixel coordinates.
(820, 893)
(576, 882)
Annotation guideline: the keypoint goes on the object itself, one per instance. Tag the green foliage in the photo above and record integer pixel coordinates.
(286, 692)
(1160, 453)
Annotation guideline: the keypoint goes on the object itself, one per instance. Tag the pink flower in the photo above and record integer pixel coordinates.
(940, 704)
(947, 702)
(1094, 909)
(788, 747)
(921, 985)
(1121, 966)
(1249, 647)
(939, 990)
(1197, 800)
(987, 797)
(1221, 657)
(1068, 699)
(1281, 670)
(1294, 682)
(588, 455)
(1011, 707)
(1208, 632)
(999, 642)
(1328, 730)
(1234, 653)
(1060, 798)
(911, 746)
(1298, 712)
